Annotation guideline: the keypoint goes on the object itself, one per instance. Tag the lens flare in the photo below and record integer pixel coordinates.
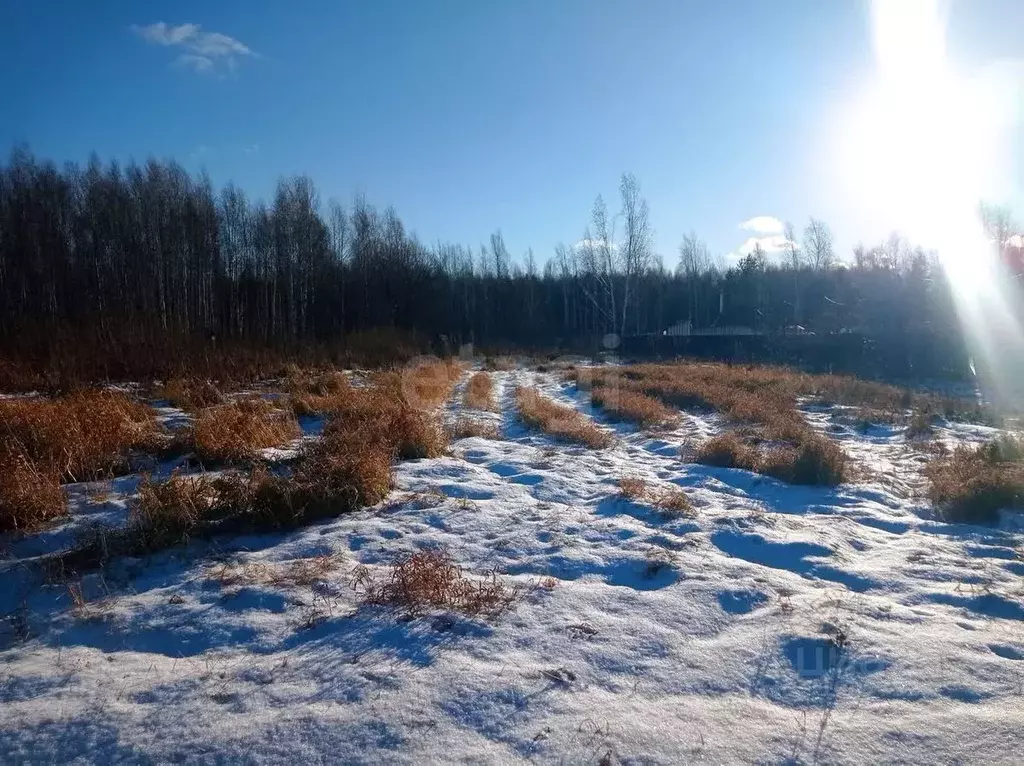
(918, 151)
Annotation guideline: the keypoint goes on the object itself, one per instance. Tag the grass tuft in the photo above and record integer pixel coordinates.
(624, 404)
(431, 580)
(971, 485)
(314, 393)
(85, 435)
(190, 393)
(632, 487)
(44, 442)
(240, 430)
(30, 493)
(467, 427)
(480, 392)
(673, 501)
(560, 421)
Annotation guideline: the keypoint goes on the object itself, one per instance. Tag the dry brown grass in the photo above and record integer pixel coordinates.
(465, 427)
(295, 573)
(167, 512)
(624, 404)
(972, 485)
(83, 435)
(764, 399)
(672, 501)
(431, 580)
(427, 384)
(239, 430)
(480, 392)
(349, 467)
(30, 493)
(190, 393)
(727, 450)
(557, 420)
(44, 442)
(314, 393)
(814, 459)
(632, 487)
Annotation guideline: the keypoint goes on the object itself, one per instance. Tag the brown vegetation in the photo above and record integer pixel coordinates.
(426, 384)
(624, 404)
(632, 487)
(190, 393)
(349, 467)
(315, 393)
(241, 429)
(777, 441)
(467, 427)
(83, 435)
(973, 484)
(672, 500)
(30, 492)
(44, 442)
(431, 580)
(480, 392)
(297, 572)
(560, 421)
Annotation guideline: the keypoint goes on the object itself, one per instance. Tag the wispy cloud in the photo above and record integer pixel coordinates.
(764, 224)
(204, 52)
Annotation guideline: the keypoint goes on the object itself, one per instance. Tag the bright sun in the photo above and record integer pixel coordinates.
(918, 149)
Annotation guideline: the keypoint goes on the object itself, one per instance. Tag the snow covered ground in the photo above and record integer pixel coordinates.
(774, 624)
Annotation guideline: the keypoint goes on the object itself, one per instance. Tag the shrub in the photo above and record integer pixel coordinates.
(430, 579)
(241, 429)
(480, 392)
(562, 422)
(500, 363)
(972, 485)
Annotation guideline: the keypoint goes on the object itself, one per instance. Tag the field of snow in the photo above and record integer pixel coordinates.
(773, 624)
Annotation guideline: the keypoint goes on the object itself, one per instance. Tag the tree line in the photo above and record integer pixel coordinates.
(153, 251)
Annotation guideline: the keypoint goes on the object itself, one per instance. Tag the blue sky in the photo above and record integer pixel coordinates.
(472, 115)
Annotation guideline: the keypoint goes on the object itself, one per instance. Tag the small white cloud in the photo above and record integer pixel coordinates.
(772, 245)
(764, 224)
(203, 51)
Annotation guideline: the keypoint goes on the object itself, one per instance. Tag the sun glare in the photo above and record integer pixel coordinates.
(920, 148)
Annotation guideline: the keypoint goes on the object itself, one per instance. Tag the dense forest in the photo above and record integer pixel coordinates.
(153, 252)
